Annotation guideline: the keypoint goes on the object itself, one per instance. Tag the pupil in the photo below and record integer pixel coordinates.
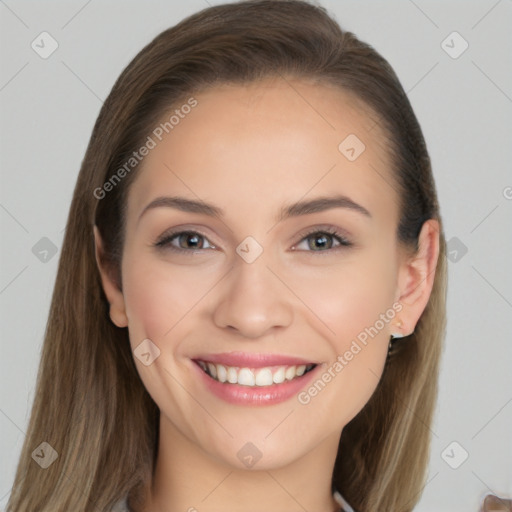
(191, 238)
(321, 241)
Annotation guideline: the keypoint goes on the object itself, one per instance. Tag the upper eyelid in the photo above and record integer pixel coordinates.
(336, 233)
(173, 235)
(326, 228)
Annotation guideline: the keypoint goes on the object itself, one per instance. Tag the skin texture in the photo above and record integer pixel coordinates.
(252, 150)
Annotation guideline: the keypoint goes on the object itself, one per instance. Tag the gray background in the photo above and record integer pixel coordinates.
(464, 105)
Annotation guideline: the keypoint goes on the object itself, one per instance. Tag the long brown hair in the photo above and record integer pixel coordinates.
(91, 406)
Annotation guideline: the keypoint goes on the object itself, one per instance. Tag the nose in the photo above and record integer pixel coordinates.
(252, 301)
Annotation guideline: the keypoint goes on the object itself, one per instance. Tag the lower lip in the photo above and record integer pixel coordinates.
(256, 395)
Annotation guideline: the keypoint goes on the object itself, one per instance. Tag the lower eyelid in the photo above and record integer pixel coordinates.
(166, 241)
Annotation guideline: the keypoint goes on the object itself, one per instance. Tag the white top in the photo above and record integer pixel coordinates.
(123, 507)
(341, 501)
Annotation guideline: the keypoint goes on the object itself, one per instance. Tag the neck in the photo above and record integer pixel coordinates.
(187, 478)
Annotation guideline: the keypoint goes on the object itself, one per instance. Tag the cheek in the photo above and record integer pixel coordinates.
(349, 296)
(348, 304)
(158, 296)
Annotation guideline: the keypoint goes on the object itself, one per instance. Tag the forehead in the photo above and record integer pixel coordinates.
(255, 146)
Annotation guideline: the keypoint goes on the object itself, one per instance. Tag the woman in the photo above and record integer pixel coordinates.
(254, 220)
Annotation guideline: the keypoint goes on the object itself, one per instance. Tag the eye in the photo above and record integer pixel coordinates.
(316, 240)
(324, 240)
(183, 241)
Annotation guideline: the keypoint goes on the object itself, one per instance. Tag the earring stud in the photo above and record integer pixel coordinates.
(394, 335)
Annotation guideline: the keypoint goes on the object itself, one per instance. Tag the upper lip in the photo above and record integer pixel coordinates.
(250, 360)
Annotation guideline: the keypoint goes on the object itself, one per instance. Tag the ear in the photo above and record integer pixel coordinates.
(416, 278)
(110, 287)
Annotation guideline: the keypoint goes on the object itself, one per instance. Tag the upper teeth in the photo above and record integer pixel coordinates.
(253, 376)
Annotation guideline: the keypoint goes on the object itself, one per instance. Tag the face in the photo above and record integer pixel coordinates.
(290, 274)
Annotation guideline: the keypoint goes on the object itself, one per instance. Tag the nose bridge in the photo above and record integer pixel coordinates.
(252, 300)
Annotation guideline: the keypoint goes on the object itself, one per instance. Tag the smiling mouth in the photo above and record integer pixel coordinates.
(254, 377)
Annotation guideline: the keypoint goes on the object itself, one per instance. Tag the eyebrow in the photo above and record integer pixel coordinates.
(297, 209)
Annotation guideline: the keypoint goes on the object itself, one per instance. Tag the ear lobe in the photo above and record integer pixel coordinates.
(417, 274)
(113, 293)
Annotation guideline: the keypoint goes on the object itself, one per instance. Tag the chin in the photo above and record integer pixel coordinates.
(259, 454)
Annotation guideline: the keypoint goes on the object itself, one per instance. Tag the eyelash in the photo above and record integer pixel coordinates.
(165, 241)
